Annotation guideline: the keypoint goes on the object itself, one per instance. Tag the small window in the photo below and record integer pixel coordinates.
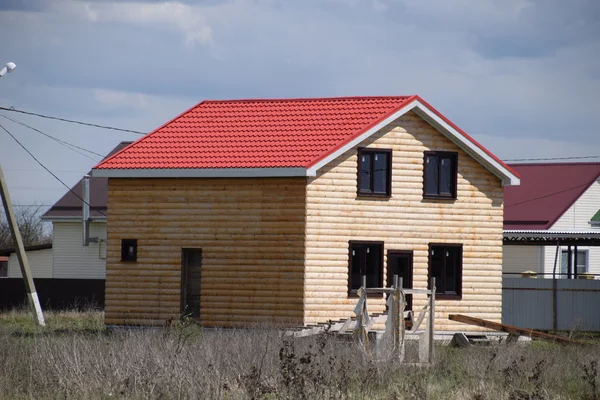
(129, 250)
(445, 265)
(3, 269)
(374, 172)
(439, 174)
(582, 262)
(365, 259)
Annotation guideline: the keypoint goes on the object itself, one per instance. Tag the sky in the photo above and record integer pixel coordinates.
(520, 76)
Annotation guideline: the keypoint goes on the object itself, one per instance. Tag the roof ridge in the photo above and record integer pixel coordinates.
(286, 99)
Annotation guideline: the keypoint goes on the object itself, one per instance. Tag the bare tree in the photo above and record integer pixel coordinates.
(30, 224)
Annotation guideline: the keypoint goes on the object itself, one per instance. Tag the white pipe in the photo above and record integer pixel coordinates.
(86, 210)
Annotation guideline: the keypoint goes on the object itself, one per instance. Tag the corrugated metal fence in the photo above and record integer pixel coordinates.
(528, 303)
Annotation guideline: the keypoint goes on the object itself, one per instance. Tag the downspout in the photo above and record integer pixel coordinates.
(85, 184)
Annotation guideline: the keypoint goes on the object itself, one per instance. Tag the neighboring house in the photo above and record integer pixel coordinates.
(3, 267)
(70, 258)
(555, 203)
(39, 258)
(250, 211)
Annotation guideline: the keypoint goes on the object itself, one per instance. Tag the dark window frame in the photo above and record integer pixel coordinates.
(125, 243)
(454, 174)
(363, 192)
(459, 272)
(351, 243)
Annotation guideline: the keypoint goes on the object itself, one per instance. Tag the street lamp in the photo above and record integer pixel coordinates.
(7, 68)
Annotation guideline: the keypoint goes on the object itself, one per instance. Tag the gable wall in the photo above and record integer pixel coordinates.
(577, 217)
(251, 232)
(71, 259)
(405, 222)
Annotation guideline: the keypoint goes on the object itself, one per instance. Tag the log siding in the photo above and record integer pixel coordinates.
(251, 232)
(405, 221)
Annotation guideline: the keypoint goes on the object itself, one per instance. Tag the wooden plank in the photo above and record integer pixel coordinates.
(512, 329)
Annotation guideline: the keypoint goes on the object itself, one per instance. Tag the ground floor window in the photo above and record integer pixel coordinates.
(445, 265)
(579, 260)
(365, 259)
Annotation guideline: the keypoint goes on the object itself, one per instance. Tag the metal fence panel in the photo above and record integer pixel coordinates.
(527, 303)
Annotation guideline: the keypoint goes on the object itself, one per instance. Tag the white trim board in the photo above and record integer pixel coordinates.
(508, 178)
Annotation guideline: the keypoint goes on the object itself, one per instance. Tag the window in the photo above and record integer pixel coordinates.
(445, 265)
(366, 258)
(3, 269)
(582, 261)
(129, 250)
(374, 172)
(439, 174)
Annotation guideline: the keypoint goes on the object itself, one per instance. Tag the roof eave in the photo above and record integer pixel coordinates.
(201, 172)
(58, 218)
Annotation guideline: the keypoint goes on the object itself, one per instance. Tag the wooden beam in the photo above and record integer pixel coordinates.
(34, 301)
(512, 329)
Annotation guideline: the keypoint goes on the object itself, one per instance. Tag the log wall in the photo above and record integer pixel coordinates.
(251, 232)
(405, 221)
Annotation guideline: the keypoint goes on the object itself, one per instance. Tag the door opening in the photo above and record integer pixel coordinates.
(400, 262)
(191, 268)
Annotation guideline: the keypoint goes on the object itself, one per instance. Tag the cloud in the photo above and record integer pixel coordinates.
(521, 76)
(175, 16)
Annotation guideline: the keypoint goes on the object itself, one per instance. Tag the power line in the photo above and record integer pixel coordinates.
(46, 168)
(66, 171)
(547, 195)
(72, 121)
(68, 145)
(551, 158)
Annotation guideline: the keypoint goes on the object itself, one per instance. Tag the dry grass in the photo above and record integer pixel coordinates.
(186, 362)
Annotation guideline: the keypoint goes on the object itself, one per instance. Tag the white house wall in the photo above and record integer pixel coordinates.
(577, 217)
(40, 264)
(72, 260)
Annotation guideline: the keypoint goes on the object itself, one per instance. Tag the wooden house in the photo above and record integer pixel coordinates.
(270, 211)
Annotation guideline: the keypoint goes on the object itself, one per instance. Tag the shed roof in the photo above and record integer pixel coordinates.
(275, 137)
(69, 205)
(547, 190)
(37, 247)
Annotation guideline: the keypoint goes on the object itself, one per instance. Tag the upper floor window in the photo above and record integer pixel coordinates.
(439, 174)
(374, 172)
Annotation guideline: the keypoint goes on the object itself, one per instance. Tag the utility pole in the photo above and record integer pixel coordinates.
(34, 301)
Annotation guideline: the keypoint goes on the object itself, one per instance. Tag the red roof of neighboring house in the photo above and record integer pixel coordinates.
(280, 133)
(545, 193)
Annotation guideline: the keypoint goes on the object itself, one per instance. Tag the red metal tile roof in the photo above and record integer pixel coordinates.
(269, 133)
(545, 193)
(281, 133)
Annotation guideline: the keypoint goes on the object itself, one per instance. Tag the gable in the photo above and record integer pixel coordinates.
(287, 137)
(580, 214)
